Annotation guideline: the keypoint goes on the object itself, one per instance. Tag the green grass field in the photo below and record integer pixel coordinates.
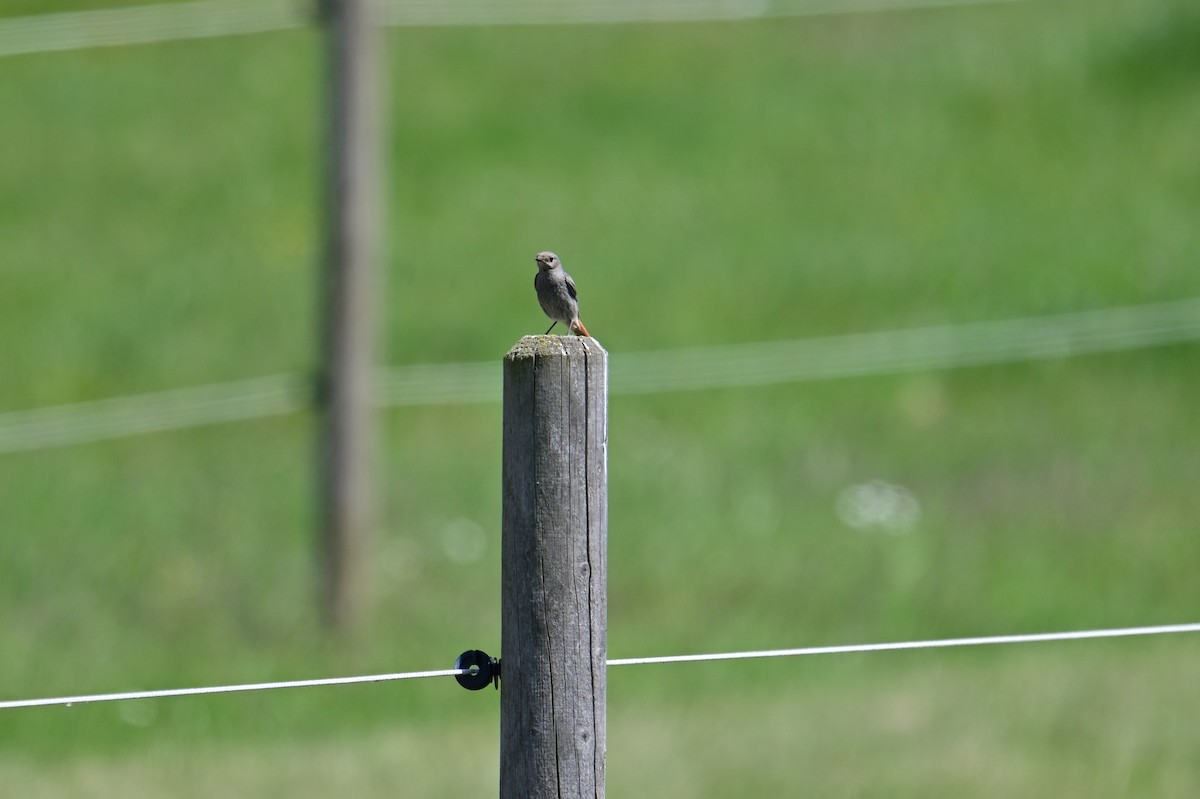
(705, 184)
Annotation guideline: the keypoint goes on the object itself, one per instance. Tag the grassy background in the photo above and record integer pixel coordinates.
(705, 184)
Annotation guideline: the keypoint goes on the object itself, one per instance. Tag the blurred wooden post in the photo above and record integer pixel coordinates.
(348, 297)
(554, 568)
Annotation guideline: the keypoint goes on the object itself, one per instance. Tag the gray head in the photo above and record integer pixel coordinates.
(547, 261)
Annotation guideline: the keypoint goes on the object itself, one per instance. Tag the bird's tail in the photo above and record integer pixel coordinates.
(578, 329)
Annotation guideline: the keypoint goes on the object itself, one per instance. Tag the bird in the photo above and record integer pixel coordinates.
(556, 294)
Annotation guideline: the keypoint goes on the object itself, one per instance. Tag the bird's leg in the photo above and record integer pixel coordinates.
(550, 328)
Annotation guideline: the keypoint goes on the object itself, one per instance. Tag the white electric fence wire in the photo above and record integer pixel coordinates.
(77, 423)
(915, 349)
(609, 12)
(814, 650)
(690, 369)
(73, 30)
(206, 18)
(938, 644)
(228, 689)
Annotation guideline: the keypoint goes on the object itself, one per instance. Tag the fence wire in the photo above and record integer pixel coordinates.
(691, 369)
(582, 12)
(206, 18)
(112, 27)
(1162, 629)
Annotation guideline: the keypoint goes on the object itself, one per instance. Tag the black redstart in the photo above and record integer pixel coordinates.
(556, 293)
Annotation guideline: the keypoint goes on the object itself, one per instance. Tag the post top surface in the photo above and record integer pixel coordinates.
(554, 347)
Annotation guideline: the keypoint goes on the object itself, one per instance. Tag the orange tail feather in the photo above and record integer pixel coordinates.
(578, 329)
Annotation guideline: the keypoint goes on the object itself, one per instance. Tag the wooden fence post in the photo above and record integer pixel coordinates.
(554, 568)
(344, 402)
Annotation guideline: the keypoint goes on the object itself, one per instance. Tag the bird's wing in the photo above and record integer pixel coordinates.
(571, 288)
